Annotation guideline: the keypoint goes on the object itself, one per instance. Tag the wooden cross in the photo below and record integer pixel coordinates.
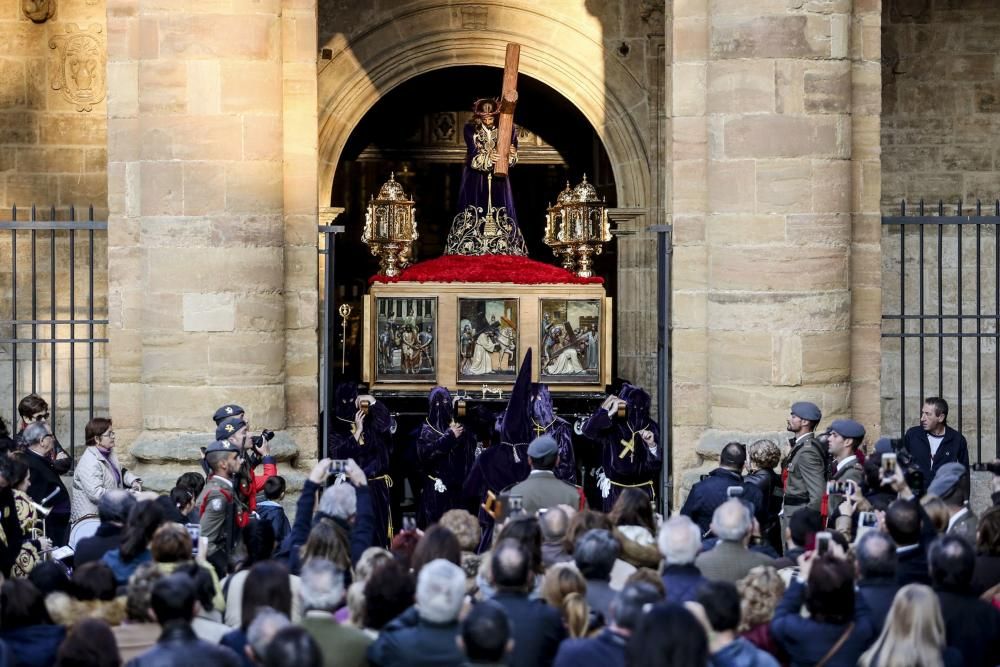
(508, 100)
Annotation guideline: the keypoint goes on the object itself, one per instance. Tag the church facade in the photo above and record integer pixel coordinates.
(210, 136)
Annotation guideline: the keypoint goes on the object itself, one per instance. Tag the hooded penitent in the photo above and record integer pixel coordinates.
(544, 421)
(445, 459)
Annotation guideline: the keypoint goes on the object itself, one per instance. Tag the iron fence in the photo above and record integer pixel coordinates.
(53, 319)
(942, 314)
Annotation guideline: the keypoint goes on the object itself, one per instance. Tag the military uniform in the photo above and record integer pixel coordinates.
(803, 471)
(542, 489)
(850, 471)
(220, 506)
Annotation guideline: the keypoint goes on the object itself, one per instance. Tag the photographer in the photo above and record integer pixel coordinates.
(344, 509)
(253, 451)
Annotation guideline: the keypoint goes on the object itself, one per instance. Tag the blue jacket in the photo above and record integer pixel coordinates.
(710, 492)
(953, 449)
(123, 570)
(682, 582)
(33, 645)
(274, 514)
(741, 653)
(807, 640)
(607, 649)
(409, 641)
(537, 629)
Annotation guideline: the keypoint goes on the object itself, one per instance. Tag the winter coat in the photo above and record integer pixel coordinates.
(93, 478)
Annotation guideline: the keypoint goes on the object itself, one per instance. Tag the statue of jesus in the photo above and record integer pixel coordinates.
(481, 136)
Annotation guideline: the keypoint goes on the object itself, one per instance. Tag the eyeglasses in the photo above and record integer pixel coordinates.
(41, 417)
(108, 434)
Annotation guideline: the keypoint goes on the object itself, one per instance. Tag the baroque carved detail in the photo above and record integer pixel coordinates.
(79, 66)
(474, 17)
(38, 11)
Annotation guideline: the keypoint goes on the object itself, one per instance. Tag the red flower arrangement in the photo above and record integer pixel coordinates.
(486, 269)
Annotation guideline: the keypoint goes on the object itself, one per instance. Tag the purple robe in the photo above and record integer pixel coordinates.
(543, 417)
(640, 468)
(443, 457)
(506, 463)
(473, 190)
(372, 456)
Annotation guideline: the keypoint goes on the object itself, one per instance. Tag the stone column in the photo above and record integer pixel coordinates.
(765, 182)
(209, 208)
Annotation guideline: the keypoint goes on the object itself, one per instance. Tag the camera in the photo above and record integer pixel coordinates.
(889, 461)
(409, 521)
(338, 466)
(734, 492)
(259, 440)
(515, 505)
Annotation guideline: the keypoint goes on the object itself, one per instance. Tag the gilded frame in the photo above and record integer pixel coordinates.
(397, 354)
(587, 331)
(510, 306)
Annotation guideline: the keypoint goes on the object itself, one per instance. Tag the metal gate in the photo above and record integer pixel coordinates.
(941, 318)
(53, 316)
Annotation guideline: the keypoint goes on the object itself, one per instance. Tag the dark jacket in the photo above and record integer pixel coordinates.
(409, 641)
(107, 537)
(537, 630)
(987, 573)
(362, 532)
(879, 594)
(34, 645)
(972, 626)
(768, 483)
(710, 492)
(179, 647)
(681, 582)
(912, 567)
(807, 640)
(236, 641)
(742, 653)
(45, 480)
(953, 449)
(607, 649)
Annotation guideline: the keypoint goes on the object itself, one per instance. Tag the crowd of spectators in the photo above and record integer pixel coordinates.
(561, 586)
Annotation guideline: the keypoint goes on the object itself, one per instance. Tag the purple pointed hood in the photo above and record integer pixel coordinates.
(516, 426)
(541, 404)
(344, 397)
(439, 408)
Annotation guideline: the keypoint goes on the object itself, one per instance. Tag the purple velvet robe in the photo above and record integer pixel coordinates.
(442, 456)
(543, 415)
(641, 468)
(372, 456)
(474, 190)
(506, 463)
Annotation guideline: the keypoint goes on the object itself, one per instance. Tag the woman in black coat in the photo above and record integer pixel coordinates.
(762, 457)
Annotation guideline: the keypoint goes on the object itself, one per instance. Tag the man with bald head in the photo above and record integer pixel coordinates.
(876, 561)
(553, 523)
(731, 559)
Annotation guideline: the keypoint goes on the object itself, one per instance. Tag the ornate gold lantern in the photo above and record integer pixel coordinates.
(553, 230)
(577, 227)
(390, 227)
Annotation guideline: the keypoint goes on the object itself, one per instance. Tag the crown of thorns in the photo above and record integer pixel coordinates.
(478, 107)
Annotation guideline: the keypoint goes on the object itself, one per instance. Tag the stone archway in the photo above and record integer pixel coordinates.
(566, 54)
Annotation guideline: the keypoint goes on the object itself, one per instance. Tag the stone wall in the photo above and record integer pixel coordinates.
(774, 199)
(53, 152)
(212, 191)
(940, 140)
(53, 104)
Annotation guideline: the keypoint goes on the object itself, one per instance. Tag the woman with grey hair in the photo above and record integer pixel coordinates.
(762, 457)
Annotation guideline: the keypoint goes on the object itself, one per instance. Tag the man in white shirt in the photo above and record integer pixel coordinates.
(934, 444)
